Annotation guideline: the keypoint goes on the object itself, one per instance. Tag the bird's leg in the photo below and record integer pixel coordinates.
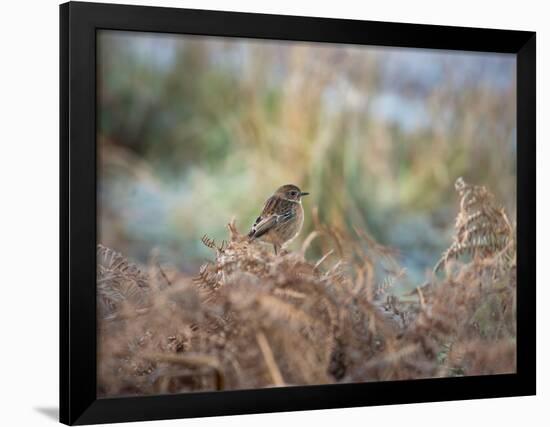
(275, 248)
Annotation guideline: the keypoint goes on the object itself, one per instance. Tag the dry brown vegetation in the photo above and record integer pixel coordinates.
(252, 319)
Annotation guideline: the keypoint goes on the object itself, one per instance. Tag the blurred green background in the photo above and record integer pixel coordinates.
(193, 131)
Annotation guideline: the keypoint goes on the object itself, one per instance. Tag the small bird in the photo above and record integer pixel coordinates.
(281, 219)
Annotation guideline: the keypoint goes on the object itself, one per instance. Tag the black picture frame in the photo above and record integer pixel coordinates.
(79, 23)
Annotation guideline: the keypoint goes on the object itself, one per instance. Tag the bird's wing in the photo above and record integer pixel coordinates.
(263, 225)
(275, 212)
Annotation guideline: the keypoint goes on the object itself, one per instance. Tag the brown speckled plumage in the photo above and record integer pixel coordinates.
(281, 219)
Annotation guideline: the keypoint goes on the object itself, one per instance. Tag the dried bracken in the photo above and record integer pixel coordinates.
(482, 227)
(252, 319)
(118, 282)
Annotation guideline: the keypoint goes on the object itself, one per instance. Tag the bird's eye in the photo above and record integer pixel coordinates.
(293, 193)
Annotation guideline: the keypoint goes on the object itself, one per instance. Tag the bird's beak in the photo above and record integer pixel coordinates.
(303, 193)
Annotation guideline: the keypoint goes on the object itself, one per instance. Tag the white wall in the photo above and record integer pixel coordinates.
(29, 208)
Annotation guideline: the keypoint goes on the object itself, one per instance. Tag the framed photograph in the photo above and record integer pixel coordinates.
(267, 213)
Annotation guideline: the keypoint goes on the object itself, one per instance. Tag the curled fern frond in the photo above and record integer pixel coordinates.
(209, 243)
(482, 227)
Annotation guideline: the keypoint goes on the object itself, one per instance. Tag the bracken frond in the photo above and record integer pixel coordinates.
(482, 227)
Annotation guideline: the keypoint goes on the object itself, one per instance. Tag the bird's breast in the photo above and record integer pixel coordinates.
(291, 230)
